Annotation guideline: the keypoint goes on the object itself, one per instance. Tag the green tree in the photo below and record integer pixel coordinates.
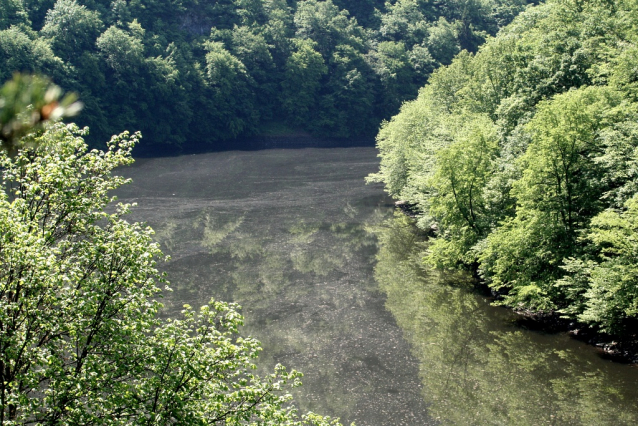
(392, 64)
(366, 11)
(232, 89)
(13, 12)
(139, 62)
(72, 27)
(19, 53)
(442, 41)
(251, 48)
(408, 144)
(558, 89)
(304, 71)
(346, 105)
(123, 52)
(559, 172)
(557, 195)
(80, 339)
(603, 291)
(458, 202)
(326, 25)
(406, 22)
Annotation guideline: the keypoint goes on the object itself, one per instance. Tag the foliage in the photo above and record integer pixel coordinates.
(604, 288)
(121, 51)
(463, 170)
(80, 339)
(304, 70)
(515, 155)
(27, 103)
(157, 66)
(73, 28)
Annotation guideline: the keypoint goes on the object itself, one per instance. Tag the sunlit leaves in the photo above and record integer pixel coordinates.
(27, 103)
(123, 52)
(72, 28)
(80, 339)
(557, 87)
(458, 202)
(605, 287)
(304, 70)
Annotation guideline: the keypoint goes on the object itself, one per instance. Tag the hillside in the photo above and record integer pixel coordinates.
(522, 159)
(191, 73)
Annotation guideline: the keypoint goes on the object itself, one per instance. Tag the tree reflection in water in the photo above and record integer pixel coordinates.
(296, 246)
(477, 366)
(304, 279)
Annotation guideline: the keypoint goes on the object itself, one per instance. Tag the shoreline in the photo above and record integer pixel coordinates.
(621, 349)
(293, 140)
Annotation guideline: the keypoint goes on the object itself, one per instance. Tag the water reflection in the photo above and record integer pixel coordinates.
(477, 367)
(296, 246)
(293, 246)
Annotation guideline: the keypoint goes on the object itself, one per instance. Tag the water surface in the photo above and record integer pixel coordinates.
(478, 366)
(332, 285)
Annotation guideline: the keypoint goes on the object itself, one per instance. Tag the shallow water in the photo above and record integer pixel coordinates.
(294, 237)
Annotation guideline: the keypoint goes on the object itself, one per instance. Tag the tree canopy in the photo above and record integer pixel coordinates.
(81, 341)
(521, 159)
(194, 74)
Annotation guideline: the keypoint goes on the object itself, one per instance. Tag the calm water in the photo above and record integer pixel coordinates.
(330, 282)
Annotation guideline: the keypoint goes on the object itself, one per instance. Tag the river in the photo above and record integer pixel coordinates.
(331, 283)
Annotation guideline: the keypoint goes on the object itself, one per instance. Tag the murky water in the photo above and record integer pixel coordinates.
(294, 237)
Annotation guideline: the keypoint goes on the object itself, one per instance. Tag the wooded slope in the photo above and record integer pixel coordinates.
(523, 160)
(192, 72)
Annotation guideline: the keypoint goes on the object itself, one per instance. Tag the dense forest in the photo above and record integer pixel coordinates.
(521, 159)
(191, 73)
(81, 337)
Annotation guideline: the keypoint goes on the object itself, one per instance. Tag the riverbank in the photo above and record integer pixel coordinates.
(622, 349)
(268, 140)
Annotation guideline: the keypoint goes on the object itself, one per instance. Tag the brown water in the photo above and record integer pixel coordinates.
(294, 237)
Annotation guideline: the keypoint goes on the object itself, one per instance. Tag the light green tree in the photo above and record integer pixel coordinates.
(557, 195)
(603, 290)
(458, 202)
(80, 339)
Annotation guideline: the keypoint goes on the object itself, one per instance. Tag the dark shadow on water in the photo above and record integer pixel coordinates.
(254, 143)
